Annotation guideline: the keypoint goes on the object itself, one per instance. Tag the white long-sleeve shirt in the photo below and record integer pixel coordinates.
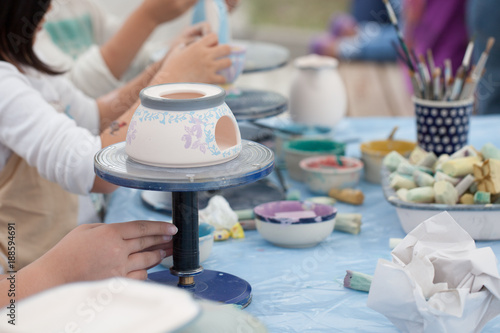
(61, 145)
(71, 40)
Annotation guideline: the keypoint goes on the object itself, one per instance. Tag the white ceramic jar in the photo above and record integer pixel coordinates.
(183, 125)
(317, 94)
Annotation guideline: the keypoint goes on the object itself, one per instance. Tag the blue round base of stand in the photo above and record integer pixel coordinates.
(211, 285)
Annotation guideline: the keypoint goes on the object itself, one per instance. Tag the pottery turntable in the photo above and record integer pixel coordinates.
(122, 164)
(253, 163)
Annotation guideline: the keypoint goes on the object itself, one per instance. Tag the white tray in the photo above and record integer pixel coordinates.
(482, 222)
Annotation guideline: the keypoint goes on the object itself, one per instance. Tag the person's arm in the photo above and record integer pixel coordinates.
(121, 49)
(94, 252)
(372, 43)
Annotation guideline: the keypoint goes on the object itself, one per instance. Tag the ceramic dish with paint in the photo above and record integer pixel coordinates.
(294, 224)
(183, 125)
(299, 149)
(237, 57)
(480, 221)
(373, 152)
(206, 234)
(322, 173)
(293, 131)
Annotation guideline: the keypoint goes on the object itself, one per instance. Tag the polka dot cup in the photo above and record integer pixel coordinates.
(442, 126)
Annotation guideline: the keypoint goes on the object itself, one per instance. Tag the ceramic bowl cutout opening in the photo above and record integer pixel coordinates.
(183, 95)
(226, 135)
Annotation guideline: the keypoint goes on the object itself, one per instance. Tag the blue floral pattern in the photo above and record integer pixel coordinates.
(199, 127)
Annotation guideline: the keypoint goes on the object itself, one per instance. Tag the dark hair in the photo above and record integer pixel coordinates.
(19, 20)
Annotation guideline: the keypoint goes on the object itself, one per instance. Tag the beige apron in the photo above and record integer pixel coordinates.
(42, 211)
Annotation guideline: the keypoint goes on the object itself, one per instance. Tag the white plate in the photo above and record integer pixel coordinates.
(482, 222)
(115, 305)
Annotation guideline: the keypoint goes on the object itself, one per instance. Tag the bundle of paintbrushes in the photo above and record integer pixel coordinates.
(431, 82)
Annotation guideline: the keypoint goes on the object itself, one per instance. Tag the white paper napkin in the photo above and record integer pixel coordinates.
(218, 213)
(438, 281)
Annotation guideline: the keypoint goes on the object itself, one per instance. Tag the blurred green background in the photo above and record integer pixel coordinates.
(308, 14)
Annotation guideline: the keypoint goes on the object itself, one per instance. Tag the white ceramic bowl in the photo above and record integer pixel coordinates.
(206, 234)
(480, 221)
(294, 224)
(322, 173)
(183, 125)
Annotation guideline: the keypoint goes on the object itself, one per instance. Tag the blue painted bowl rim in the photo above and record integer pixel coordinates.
(166, 104)
(205, 230)
(309, 220)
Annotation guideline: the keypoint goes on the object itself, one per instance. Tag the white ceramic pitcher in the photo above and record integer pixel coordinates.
(317, 95)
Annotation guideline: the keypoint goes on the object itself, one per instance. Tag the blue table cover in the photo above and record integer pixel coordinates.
(301, 290)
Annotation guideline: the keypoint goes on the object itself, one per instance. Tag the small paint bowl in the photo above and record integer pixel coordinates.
(322, 173)
(206, 242)
(373, 152)
(237, 56)
(294, 224)
(299, 149)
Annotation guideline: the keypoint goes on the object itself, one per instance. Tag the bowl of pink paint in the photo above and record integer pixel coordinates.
(294, 224)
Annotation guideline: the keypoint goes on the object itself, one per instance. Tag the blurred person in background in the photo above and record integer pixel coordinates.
(483, 22)
(363, 34)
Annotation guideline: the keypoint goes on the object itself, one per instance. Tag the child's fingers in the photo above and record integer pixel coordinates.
(199, 29)
(209, 40)
(137, 229)
(165, 246)
(143, 243)
(218, 79)
(221, 51)
(138, 275)
(143, 260)
(222, 63)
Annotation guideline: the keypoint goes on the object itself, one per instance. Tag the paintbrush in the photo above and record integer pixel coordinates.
(400, 55)
(426, 76)
(448, 79)
(415, 80)
(468, 89)
(394, 21)
(436, 79)
(432, 66)
(468, 54)
(461, 73)
(477, 72)
(430, 61)
(421, 73)
(447, 73)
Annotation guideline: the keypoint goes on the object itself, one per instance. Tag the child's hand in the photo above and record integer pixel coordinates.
(197, 62)
(160, 11)
(191, 34)
(99, 251)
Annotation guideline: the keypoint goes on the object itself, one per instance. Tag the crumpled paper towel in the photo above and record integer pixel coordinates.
(438, 281)
(219, 214)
